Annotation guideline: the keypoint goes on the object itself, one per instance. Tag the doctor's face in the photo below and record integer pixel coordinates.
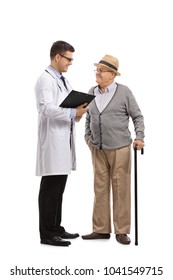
(64, 60)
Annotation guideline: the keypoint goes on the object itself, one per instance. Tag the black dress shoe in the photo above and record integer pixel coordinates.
(95, 235)
(67, 235)
(123, 239)
(55, 241)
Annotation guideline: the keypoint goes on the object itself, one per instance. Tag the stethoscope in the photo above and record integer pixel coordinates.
(57, 81)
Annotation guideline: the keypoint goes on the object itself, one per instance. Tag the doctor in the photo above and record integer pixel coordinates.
(56, 143)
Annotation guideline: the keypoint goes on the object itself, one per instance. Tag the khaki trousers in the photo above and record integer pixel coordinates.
(112, 172)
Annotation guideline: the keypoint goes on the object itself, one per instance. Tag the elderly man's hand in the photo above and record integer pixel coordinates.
(138, 144)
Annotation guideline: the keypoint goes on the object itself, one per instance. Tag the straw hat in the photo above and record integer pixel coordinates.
(110, 62)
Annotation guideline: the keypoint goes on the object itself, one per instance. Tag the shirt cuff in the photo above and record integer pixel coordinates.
(73, 113)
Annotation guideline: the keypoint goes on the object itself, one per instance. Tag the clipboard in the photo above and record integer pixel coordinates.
(76, 98)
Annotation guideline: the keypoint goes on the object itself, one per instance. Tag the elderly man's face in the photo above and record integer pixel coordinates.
(104, 76)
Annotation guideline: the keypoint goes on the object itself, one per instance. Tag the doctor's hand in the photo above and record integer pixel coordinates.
(81, 110)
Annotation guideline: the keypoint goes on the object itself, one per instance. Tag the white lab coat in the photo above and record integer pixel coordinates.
(55, 155)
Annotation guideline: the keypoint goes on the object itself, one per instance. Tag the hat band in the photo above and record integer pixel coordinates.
(108, 64)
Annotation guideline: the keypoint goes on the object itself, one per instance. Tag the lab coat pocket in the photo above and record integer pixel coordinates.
(56, 127)
(43, 131)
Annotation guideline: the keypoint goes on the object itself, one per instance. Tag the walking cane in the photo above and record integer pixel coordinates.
(136, 193)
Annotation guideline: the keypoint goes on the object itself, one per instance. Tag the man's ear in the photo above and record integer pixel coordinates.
(57, 57)
(114, 74)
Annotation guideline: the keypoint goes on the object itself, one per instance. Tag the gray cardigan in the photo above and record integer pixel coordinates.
(110, 128)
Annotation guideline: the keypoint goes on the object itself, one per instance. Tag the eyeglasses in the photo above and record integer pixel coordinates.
(101, 71)
(68, 58)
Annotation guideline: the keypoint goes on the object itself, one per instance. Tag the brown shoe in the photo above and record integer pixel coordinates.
(123, 239)
(95, 235)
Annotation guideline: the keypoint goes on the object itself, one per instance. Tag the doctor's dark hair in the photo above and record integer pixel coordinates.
(60, 47)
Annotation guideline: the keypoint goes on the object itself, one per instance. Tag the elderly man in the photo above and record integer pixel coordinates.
(109, 139)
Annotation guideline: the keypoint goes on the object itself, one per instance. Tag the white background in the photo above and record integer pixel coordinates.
(139, 33)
